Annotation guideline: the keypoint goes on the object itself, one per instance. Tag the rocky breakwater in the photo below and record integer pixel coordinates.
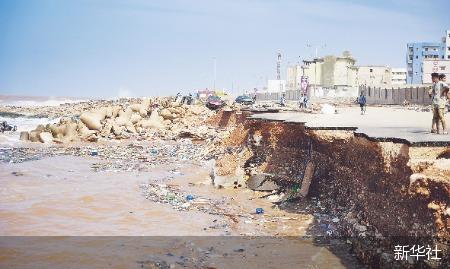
(149, 118)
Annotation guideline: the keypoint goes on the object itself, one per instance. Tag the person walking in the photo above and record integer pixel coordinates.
(362, 103)
(305, 101)
(283, 100)
(300, 101)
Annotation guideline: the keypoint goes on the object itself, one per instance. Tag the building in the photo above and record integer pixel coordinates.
(293, 77)
(398, 76)
(420, 51)
(339, 72)
(275, 85)
(332, 73)
(447, 45)
(374, 75)
(435, 66)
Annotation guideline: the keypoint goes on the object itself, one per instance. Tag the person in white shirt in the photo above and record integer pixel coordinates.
(439, 93)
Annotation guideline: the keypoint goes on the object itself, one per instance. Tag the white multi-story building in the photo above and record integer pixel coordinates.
(435, 66)
(398, 76)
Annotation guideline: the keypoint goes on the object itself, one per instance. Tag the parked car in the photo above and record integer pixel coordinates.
(214, 102)
(245, 100)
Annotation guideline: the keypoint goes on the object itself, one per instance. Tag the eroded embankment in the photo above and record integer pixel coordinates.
(385, 193)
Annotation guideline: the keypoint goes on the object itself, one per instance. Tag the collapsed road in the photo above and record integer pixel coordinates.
(385, 191)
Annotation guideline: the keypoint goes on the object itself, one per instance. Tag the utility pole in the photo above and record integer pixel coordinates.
(279, 66)
(215, 73)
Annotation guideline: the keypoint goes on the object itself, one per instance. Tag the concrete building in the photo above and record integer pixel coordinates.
(374, 75)
(420, 51)
(435, 66)
(293, 77)
(337, 73)
(398, 76)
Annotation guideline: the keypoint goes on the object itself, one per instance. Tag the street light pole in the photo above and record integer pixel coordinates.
(215, 73)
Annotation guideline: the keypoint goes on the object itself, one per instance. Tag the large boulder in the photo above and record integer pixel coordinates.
(124, 117)
(24, 136)
(85, 133)
(135, 118)
(92, 120)
(118, 129)
(45, 137)
(154, 122)
(140, 108)
(34, 136)
(167, 115)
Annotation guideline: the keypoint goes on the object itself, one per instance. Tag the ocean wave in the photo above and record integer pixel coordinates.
(35, 103)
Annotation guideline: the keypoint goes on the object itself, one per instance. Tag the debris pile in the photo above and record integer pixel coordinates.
(150, 118)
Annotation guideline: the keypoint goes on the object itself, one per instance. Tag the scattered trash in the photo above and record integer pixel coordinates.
(94, 152)
(259, 210)
(189, 197)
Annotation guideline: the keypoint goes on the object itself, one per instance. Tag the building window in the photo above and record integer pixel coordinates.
(371, 70)
(417, 57)
(442, 68)
(426, 49)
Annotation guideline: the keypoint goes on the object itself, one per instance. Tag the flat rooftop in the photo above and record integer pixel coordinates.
(378, 124)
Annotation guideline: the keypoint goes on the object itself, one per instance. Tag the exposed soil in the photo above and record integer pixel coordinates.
(384, 193)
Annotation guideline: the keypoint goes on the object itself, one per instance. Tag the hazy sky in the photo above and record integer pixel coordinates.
(107, 48)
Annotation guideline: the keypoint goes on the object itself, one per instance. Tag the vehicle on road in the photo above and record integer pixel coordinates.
(244, 100)
(214, 102)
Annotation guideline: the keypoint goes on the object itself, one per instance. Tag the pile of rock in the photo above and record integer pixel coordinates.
(122, 121)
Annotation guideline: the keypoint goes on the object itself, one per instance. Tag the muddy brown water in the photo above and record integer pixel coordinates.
(62, 196)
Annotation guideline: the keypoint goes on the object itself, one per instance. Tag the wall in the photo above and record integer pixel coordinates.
(396, 95)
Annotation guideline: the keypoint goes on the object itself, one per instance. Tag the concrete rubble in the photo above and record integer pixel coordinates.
(125, 120)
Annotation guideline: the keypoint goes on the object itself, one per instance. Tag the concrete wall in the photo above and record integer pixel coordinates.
(290, 95)
(396, 95)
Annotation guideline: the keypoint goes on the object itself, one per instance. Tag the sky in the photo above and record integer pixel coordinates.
(111, 48)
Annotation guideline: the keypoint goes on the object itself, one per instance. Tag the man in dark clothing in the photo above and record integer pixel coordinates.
(362, 103)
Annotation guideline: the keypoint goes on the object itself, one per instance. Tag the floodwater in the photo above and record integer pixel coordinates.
(62, 196)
